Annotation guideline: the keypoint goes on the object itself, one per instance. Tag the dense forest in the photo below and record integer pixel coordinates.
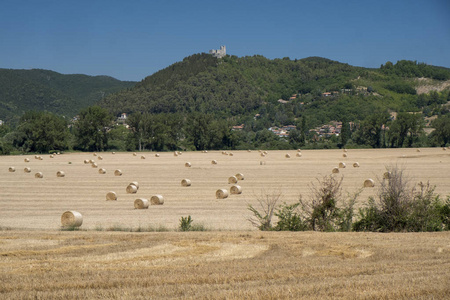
(44, 90)
(198, 103)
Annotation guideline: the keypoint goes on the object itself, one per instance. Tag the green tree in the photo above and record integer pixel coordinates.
(91, 129)
(441, 133)
(42, 132)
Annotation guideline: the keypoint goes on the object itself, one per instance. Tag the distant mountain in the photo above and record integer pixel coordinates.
(36, 89)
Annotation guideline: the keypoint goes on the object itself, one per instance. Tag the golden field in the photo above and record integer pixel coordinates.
(232, 260)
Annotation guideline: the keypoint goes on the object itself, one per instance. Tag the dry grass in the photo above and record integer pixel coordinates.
(45, 263)
(223, 265)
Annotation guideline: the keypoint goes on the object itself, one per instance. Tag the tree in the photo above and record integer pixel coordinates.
(441, 134)
(91, 129)
(42, 132)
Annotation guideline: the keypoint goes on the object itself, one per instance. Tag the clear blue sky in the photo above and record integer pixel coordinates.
(130, 40)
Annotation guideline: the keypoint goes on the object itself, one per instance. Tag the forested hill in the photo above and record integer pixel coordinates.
(281, 91)
(36, 89)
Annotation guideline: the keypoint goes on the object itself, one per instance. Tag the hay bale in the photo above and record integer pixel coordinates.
(117, 172)
(95, 154)
(287, 156)
(345, 150)
(185, 182)
(157, 200)
(299, 150)
(232, 180)
(135, 183)
(141, 203)
(262, 163)
(239, 176)
(344, 155)
(39, 175)
(249, 150)
(214, 162)
(71, 218)
(156, 155)
(102, 171)
(12, 169)
(263, 155)
(335, 170)
(418, 150)
(41, 158)
(111, 196)
(387, 175)
(100, 158)
(142, 157)
(369, 183)
(36, 157)
(27, 170)
(235, 189)
(356, 165)
(94, 165)
(187, 165)
(26, 160)
(175, 153)
(342, 165)
(131, 189)
(134, 154)
(51, 156)
(230, 154)
(221, 193)
(298, 154)
(113, 152)
(86, 161)
(60, 174)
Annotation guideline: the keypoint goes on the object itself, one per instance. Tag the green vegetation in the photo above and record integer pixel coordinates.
(399, 208)
(194, 104)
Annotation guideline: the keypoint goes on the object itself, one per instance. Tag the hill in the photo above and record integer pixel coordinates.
(36, 89)
(280, 90)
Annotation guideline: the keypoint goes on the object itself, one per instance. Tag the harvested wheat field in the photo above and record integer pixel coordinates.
(230, 261)
(27, 202)
(223, 265)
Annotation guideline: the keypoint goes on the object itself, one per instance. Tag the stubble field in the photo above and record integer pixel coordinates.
(232, 260)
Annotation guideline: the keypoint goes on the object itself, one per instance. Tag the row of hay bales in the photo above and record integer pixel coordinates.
(37, 174)
(342, 165)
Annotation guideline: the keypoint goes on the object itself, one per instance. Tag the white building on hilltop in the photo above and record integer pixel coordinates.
(219, 53)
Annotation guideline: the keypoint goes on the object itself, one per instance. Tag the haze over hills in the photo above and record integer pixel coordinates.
(36, 89)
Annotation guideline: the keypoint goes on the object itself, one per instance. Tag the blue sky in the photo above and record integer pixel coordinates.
(130, 40)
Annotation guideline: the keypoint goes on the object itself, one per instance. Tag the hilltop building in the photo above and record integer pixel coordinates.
(219, 53)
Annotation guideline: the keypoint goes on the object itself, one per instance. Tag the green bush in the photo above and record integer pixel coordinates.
(289, 218)
(185, 223)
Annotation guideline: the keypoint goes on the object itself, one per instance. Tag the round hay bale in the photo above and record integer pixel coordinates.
(342, 165)
(356, 165)
(27, 170)
(135, 183)
(86, 161)
(71, 218)
(263, 155)
(141, 203)
(235, 189)
(12, 169)
(142, 157)
(134, 154)
(179, 153)
(232, 180)
(39, 175)
(185, 182)
(344, 155)
(214, 162)
(444, 148)
(187, 165)
(335, 170)
(94, 165)
(113, 152)
(369, 183)
(265, 152)
(95, 154)
(299, 150)
(221, 193)
(132, 189)
(60, 174)
(249, 150)
(41, 158)
(387, 175)
(111, 196)
(102, 171)
(418, 150)
(117, 173)
(299, 154)
(345, 150)
(51, 156)
(157, 200)
(26, 160)
(100, 158)
(239, 176)
(230, 154)
(36, 157)
(287, 156)
(156, 155)
(175, 153)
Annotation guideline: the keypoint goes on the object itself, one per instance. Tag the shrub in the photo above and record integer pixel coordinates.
(290, 218)
(185, 223)
(267, 204)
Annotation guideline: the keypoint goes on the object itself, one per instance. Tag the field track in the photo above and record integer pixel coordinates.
(27, 202)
